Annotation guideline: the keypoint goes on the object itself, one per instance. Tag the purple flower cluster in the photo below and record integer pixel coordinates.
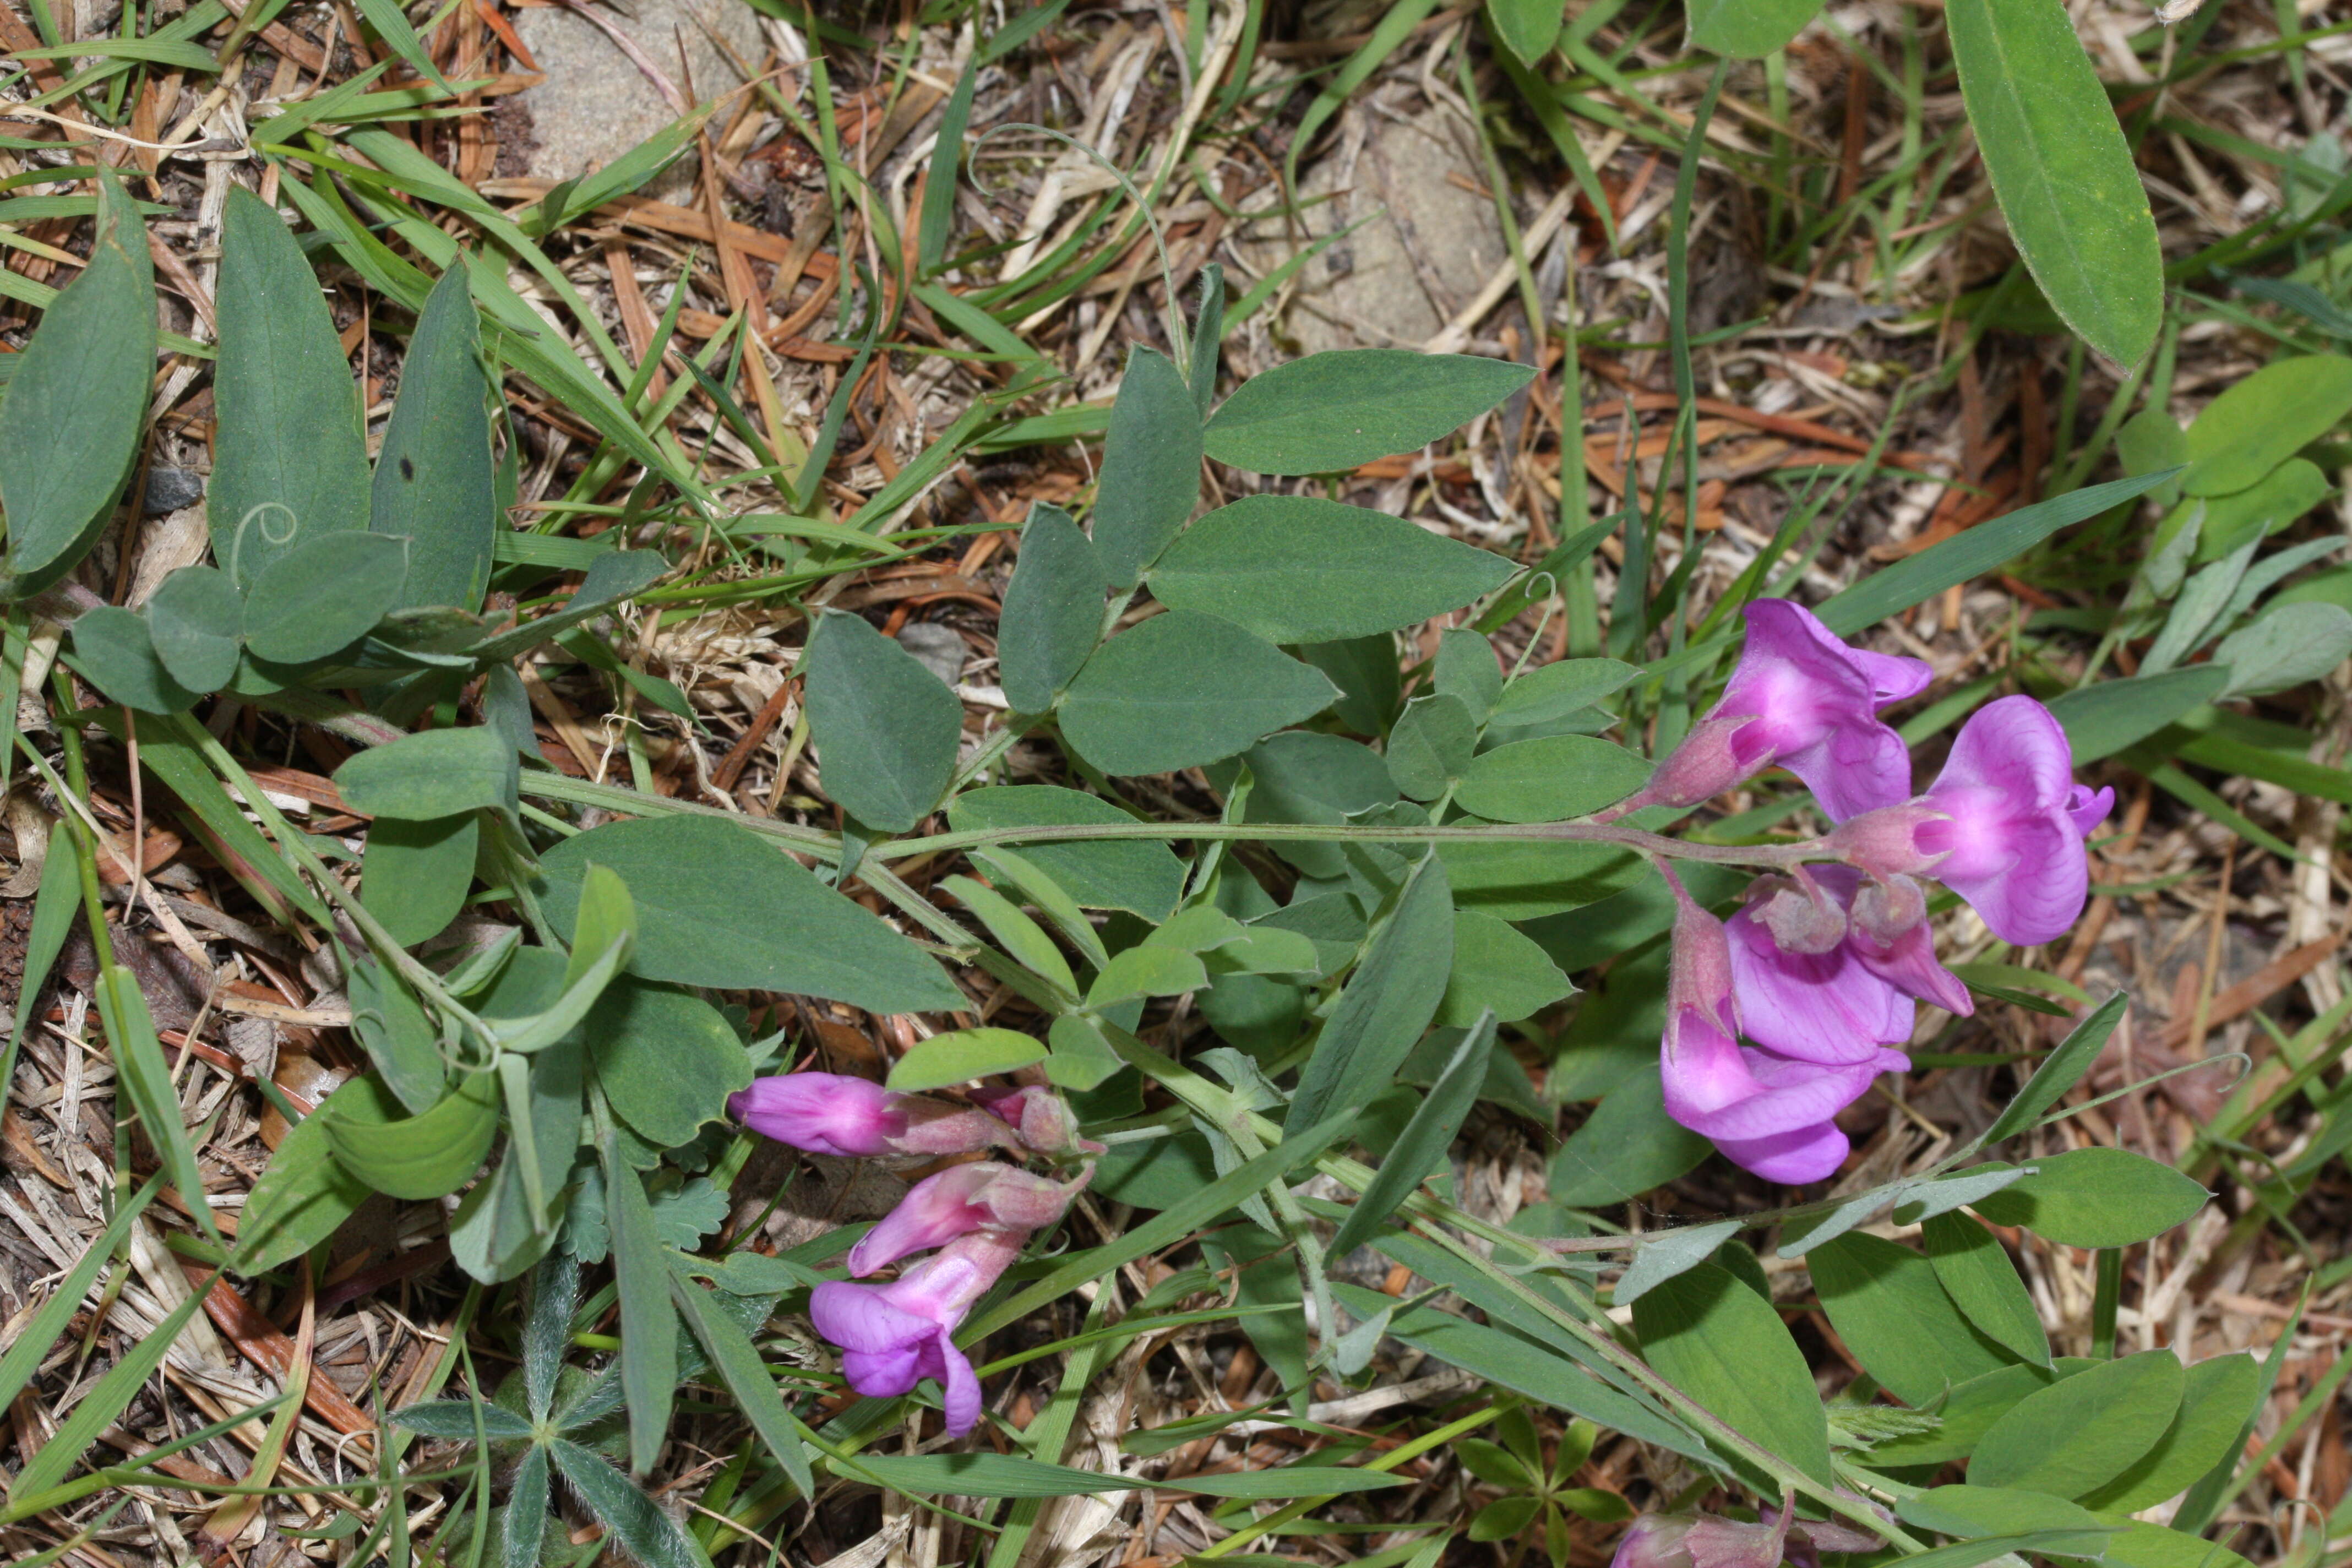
(1780, 1019)
(978, 1216)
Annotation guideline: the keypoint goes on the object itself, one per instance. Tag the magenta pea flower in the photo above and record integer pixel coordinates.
(2003, 825)
(957, 1202)
(1841, 1005)
(1805, 700)
(1766, 1111)
(831, 1114)
(893, 1336)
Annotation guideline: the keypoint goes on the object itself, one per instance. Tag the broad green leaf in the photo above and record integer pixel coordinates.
(1053, 613)
(1466, 668)
(196, 618)
(2079, 1434)
(290, 464)
(1975, 1511)
(719, 907)
(115, 649)
(665, 1060)
(1082, 1055)
(1141, 876)
(1669, 1253)
(1723, 1345)
(435, 774)
(2218, 1396)
(647, 1534)
(1529, 29)
(302, 1199)
(1365, 671)
(1557, 690)
(320, 595)
(1421, 1147)
(415, 875)
(1151, 469)
(2262, 421)
(1430, 746)
(1969, 1411)
(2062, 170)
(105, 1400)
(433, 476)
(76, 402)
(399, 1039)
(1975, 1272)
(428, 1155)
(1887, 1306)
(1303, 776)
(1747, 29)
(886, 726)
(1299, 568)
(1386, 1004)
(1146, 972)
(2291, 645)
(2096, 1198)
(1333, 411)
(2101, 720)
(2139, 1545)
(1627, 1146)
(2289, 491)
(960, 1056)
(648, 1322)
(2059, 1071)
(1497, 967)
(1550, 779)
(1183, 689)
(1981, 549)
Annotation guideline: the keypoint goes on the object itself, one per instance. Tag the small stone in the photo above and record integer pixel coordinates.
(940, 648)
(596, 104)
(169, 489)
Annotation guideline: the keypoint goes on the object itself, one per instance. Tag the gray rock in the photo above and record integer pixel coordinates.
(940, 648)
(1399, 279)
(169, 489)
(597, 104)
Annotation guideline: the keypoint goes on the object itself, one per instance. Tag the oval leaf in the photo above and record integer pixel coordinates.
(433, 475)
(197, 617)
(1151, 466)
(1183, 689)
(2083, 1432)
(1723, 1344)
(2096, 1198)
(1549, 779)
(1052, 611)
(1298, 569)
(962, 1055)
(2061, 169)
(323, 595)
(886, 726)
(1333, 411)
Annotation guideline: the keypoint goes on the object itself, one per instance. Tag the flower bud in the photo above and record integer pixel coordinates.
(1885, 910)
(1888, 842)
(960, 1201)
(1796, 913)
(832, 1113)
(1042, 1118)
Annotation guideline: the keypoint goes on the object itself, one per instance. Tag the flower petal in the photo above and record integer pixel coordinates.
(935, 1211)
(1826, 1007)
(884, 1374)
(1911, 966)
(1856, 767)
(1793, 1158)
(2089, 807)
(822, 1112)
(2039, 895)
(862, 1318)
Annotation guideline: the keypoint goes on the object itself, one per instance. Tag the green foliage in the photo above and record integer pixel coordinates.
(886, 728)
(2061, 169)
(1333, 411)
(76, 402)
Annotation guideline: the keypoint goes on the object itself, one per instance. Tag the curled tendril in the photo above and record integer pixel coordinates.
(260, 513)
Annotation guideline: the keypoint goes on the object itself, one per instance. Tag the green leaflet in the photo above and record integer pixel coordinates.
(2062, 170)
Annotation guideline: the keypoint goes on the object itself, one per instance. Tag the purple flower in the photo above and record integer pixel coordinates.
(829, 1113)
(893, 1336)
(1839, 1007)
(1805, 700)
(1767, 1111)
(1704, 1541)
(2003, 825)
(958, 1201)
